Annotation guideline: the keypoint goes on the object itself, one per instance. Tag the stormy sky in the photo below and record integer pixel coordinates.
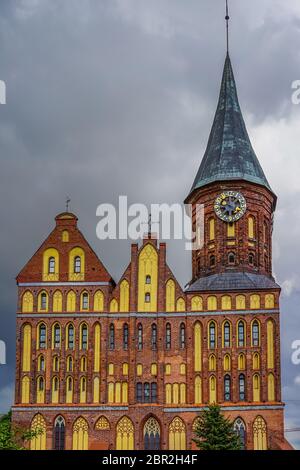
(117, 97)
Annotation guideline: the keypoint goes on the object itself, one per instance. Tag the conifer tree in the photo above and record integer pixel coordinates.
(215, 432)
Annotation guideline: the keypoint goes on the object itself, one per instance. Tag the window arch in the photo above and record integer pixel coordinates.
(56, 336)
(260, 434)
(76, 264)
(231, 258)
(212, 363)
(227, 362)
(256, 388)
(124, 296)
(57, 301)
(40, 390)
(180, 305)
(113, 306)
(241, 362)
(70, 337)
(102, 424)
(270, 301)
(140, 337)
(242, 387)
(255, 302)
(25, 392)
(255, 333)
(84, 301)
(69, 364)
(39, 441)
(197, 347)
(168, 389)
(177, 434)
(55, 364)
(151, 434)
(271, 387)
(50, 265)
(80, 434)
(111, 337)
(198, 390)
(241, 334)
(212, 303)
(147, 266)
(99, 301)
(227, 388)
(69, 390)
(43, 302)
(27, 302)
(197, 303)
(59, 434)
(42, 336)
(212, 335)
(55, 390)
(256, 361)
(270, 344)
(97, 347)
(41, 363)
(240, 302)
(226, 334)
(83, 362)
(65, 236)
(26, 353)
(125, 434)
(212, 389)
(83, 336)
(154, 336)
(251, 227)
(83, 390)
(212, 261)
(211, 224)
(71, 301)
(240, 429)
(170, 296)
(168, 336)
(226, 302)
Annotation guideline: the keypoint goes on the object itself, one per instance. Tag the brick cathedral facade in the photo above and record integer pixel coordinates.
(129, 365)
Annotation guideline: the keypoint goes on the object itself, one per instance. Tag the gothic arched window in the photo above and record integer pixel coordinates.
(168, 336)
(241, 334)
(182, 336)
(240, 429)
(154, 336)
(51, 265)
(227, 388)
(242, 387)
(125, 336)
(140, 337)
(111, 336)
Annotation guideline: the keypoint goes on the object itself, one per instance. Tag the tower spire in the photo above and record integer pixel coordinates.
(227, 18)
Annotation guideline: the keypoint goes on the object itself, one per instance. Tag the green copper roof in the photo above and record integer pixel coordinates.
(229, 154)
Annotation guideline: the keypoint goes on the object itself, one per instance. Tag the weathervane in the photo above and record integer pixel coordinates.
(227, 18)
(68, 200)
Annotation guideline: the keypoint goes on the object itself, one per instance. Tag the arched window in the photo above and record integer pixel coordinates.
(231, 258)
(65, 236)
(147, 297)
(70, 336)
(211, 224)
(55, 390)
(154, 337)
(71, 301)
(69, 364)
(251, 227)
(42, 336)
(43, 301)
(55, 364)
(77, 264)
(197, 303)
(241, 334)
(56, 336)
(240, 429)
(240, 302)
(83, 390)
(212, 335)
(241, 362)
(125, 336)
(148, 279)
(256, 361)
(256, 388)
(151, 434)
(124, 296)
(197, 347)
(41, 363)
(212, 303)
(180, 305)
(59, 434)
(198, 390)
(212, 362)
(69, 391)
(84, 337)
(170, 296)
(27, 302)
(182, 336)
(227, 362)
(125, 368)
(212, 261)
(125, 434)
(242, 388)
(255, 334)
(39, 441)
(168, 336)
(139, 392)
(80, 434)
(111, 337)
(212, 389)
(251, 259)
(57, 301)
(40, 392)
(226, 335)
(254, 302)
(153, 392)
(99, 301)
(260, 434)
(26, 353)
(177, 435)
(25, 392)
(139, 370)
(154, 368)
(83, 364)
(51, 265)
(140, 337)
(227, 388)
(85, 301)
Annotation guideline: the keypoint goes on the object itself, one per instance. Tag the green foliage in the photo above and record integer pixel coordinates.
(215, 432)
(13, 437)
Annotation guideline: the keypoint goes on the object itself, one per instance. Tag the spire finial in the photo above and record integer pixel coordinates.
(227, 18)
(68, 200)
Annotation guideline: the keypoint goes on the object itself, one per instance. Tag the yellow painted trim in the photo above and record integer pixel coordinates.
(47, 276)
(148, 266)
(74, 253)
(124, 296)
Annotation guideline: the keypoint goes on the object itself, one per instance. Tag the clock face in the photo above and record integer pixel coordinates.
(230, 206)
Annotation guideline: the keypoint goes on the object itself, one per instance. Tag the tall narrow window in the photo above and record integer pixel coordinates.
(111, 337)
(240, 429)
(84, 337)
(147, 298)
(125, 336)
(148, 279)
(154, 337)
(140, 337)
(85, 301)
(56, 339)
(255, 333)
(227, 388)
(59, 434)
(70, 338)
(182, 336)
(51, 266)
(168, 336)
(212, 335)
(242, 388)
(153, 392)
(42, 336)
(139, 392)
(41, 363)
(77, 264)
(241, 334)
(227, 339)
(231, 258)
(43, 301)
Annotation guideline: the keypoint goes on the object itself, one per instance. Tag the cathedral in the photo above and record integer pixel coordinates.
(130, 364)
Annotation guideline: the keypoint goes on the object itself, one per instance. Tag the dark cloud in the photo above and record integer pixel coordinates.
(117, 97)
